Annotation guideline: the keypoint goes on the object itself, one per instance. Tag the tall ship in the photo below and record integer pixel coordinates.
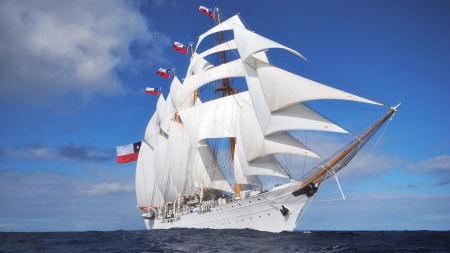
(212, 140)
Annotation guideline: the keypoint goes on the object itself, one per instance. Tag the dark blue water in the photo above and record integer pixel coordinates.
(205, 240)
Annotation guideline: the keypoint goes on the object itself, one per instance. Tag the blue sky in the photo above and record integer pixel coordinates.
(72, 83)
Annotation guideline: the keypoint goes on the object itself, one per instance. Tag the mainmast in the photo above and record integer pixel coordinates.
(227, 90)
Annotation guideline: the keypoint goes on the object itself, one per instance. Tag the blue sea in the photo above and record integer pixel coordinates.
(206, 240)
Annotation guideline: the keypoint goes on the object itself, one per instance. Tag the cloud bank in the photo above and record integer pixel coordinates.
(68, 51)
(438, 165)
(70, 152)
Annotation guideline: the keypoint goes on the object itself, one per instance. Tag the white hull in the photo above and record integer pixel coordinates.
(261, 212)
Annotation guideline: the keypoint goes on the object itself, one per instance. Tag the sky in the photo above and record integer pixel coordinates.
(72, 82)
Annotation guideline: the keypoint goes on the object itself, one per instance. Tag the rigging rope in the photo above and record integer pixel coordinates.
(359, 172)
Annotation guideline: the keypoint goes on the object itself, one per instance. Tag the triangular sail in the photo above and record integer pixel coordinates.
(283, 89)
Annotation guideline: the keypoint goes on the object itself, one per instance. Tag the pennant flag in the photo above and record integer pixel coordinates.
(163, 72)
(128, 153)
(153, 91)
(207, 11)
(180, 47)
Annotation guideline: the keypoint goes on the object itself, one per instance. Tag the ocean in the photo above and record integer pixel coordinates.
(211, 240)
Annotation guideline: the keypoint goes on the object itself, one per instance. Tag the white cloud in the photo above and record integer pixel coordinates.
(61, 202)
(109, 188)
(69, 50)
(438, 165)
(380, 212)
(70, 152)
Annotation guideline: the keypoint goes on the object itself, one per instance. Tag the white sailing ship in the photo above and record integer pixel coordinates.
(180, 180)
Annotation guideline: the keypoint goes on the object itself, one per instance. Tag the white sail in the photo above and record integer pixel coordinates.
(198, 63)
(228, 24)
(283, 89)
(178, 150)
(208, 173)
(249, 43)
(175, 86)
(160, 108)
(165, 183)
(266, 166)
(256, 145)
(147, 190)
(200, 66)
(152, 131)
(167, 115)
(192, 83)
(213, 119)
(239, 177)
(300, 117)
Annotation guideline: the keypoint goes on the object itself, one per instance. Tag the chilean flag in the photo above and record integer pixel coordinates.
(180, 47)
(207, 11)
(128, 153)
(153, 91)
(163, 72)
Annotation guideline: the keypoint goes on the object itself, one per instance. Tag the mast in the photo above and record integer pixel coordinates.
(315, 178)
(191, 45)
(227, 90)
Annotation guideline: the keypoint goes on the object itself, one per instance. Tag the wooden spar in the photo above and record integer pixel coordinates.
(227, 90)
(349, 149)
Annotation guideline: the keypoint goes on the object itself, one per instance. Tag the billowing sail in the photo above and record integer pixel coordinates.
(165, 182)
(147, 190)
(192, 83)
(152, 131)
(282, 88)
(178, 149)
(228, 24)
(209, 174)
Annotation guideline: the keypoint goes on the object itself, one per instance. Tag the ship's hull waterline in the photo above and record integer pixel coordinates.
(261, 212)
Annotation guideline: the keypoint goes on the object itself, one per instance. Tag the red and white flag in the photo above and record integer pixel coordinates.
(163, 72)
(153, 91)
(180, 47)
(128, 153)
(207, 11)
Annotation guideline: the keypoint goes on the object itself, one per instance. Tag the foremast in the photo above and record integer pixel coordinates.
(328, 168)
(227, 90)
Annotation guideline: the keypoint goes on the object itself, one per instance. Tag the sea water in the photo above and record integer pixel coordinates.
(229, 240)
